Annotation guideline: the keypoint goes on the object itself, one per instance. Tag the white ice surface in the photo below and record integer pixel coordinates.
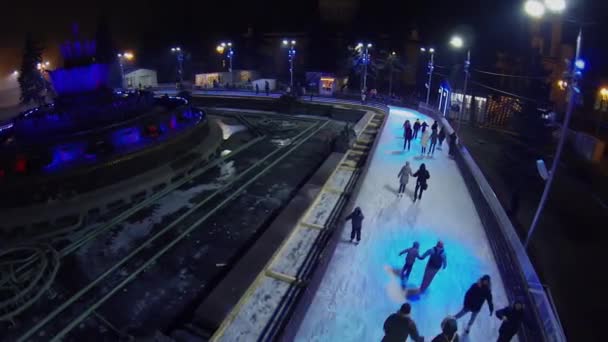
(359, 289)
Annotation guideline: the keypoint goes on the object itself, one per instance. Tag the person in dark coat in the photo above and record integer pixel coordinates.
(512, 316)
(434, 126)
(408, 135)
(267, 88)
(416, 128)
(423, 126)
(356, 218)
(399, 326)
(478, 293)
(404, 176)
(449, 331)
(452, 144)
(257, 89)
(411, 254)
(433, 142)
(422, 175)
(437, 260)
(441, 138)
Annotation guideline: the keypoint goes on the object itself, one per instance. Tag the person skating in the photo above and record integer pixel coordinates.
(441, 138)
(267, 88)
(449, 331)
(422, 175)
(257, 89)
(437, 260)
(399, 326)
(411, 254)
(433, 142)
(452, 144)
(416, 128)
(356, 218)
(404, 176)
(408, 135)
(478, 293)
(423, 126)
(434, 126)
(424, 142)
(512, 316)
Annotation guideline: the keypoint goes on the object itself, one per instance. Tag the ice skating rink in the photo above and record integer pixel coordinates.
(359, 289)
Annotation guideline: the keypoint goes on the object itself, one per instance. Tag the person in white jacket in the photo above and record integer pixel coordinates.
(404, 177)
(424, 141)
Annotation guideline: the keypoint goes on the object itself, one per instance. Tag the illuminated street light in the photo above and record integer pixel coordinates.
(431, 67)
(363, 50)
(604, 93)
(15, 73)
(121, 62)
(457, 42)
(291, 54)
(227, 47)
(179, 55)
(534, 8)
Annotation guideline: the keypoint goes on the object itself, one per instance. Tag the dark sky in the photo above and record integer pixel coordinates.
(492, 24)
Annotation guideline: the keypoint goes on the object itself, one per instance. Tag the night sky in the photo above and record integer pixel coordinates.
(153, 26)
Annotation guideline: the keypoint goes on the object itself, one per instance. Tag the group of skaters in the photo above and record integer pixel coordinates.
(411, 132)
(399, 326)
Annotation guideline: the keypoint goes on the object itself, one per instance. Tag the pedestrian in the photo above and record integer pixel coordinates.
(452, 144)
(411, 254)
(257, 89)
(434, 126)
(449, 331)
(416, 128)
(424, 142)
(363, 96)
(437, 260)
(441, 137)
(408, 135)
(404, 177)
(422, 175)
(356, 218)
(511, 317)
(478, 293)
(267, 87)
(399, 326)
(433, 142)
(424, 126)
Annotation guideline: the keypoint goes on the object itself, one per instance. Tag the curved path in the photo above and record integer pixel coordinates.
(359, 289)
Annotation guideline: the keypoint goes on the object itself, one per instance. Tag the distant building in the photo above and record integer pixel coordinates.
(323, 83)
(239, 78)
(141, 78)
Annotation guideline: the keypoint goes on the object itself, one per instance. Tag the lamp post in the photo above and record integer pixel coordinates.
(179, 55)
(431, 67)
(363, 49)
(227, 48)
(121, 62)
(457, 42)
(291, 54)
(536, 9)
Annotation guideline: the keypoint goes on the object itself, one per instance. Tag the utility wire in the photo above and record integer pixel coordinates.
(504, 92)
(507, 75)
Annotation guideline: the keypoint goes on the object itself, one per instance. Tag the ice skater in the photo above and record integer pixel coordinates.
(356, 218)
(424, 142)
(423, 126)
(433, 142)
(512, 316)
(407, 135)
(411, 254)
(479, 292)
(437, 261)
(434, 126)
(416, 128)
(441, 137)
(422, 175)
(399, 326)
(257, 89)
(404, 177)
(452, 144)
(449, 331)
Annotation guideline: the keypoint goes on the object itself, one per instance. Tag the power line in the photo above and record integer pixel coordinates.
(505, 92)
(508, 75)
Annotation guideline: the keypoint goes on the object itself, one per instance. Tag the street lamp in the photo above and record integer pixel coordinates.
(573, 76)
(431, 66)
(15, 73)
(227, 47)
(457, 42)
(291, 54)
(179, 55)
(128, 56)
(363, 49)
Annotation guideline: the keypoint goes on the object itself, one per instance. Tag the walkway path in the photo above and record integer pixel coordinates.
(359, 289)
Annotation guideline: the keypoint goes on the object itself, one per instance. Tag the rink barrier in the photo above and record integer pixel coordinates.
(298, 283)
(518, 273)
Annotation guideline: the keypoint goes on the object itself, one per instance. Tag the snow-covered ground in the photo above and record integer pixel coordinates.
(359, 289)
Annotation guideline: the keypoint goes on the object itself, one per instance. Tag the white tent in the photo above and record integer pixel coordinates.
(141, 78)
